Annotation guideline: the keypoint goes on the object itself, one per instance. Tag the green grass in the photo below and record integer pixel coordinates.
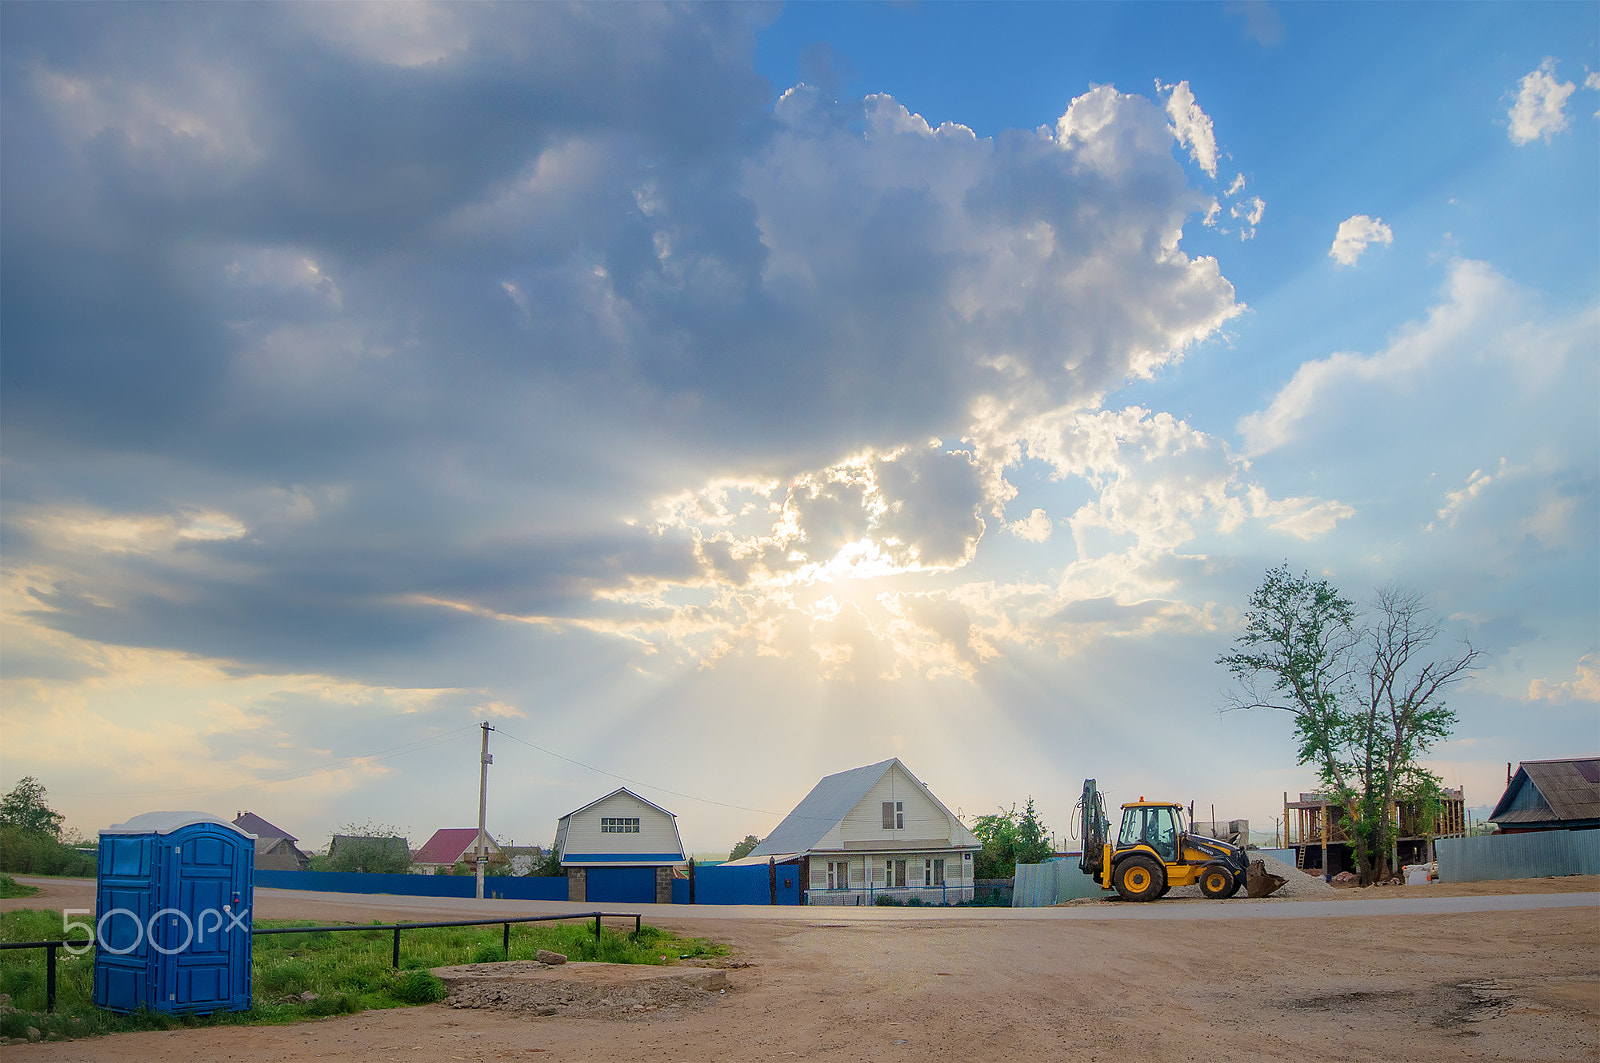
(10, 887)
(349, 971)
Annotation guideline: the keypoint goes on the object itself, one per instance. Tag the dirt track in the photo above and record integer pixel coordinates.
(1512, 986)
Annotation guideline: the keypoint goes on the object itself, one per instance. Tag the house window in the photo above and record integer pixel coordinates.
(894, 874)
(838, 875)
(619, 825)
(894, 815)
(927, 871)
(938, 873)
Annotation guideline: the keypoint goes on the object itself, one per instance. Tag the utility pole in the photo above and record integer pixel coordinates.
(483, 801)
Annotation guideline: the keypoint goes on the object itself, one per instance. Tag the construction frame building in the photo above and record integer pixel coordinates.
(1315, 829)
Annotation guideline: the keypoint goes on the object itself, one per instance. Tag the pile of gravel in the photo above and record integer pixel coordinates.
(1297, 884)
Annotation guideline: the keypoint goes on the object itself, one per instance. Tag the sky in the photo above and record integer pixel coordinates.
(713, 398)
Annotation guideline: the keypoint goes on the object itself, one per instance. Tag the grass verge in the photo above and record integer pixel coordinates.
(343, 972)
(10, 887)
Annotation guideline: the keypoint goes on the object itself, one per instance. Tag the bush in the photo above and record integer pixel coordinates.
(33, 853)
(419, 987)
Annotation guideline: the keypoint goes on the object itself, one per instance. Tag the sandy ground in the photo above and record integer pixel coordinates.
(1509, 985)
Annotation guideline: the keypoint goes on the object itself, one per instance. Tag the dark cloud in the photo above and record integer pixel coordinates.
(426, 300)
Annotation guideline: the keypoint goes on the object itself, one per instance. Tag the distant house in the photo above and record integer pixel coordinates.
(620, 848)
(452, 845)
(523, 857)
(1551, 795)
(275, 847)
(871, 831)
(360, 852)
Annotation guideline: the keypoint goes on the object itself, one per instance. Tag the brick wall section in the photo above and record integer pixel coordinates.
(577, 883)
(663, 885)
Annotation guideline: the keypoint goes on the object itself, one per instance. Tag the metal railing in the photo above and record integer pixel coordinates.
(505, 940)
(49, 963)
(50, 947)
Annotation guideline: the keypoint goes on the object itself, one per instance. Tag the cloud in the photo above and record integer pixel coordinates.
(1456, 500)
(1483, 319)
(1261, 21)
(1355, 234)
(1190, 125)
(1035, 527)
(1583, 686)
(1538, 110)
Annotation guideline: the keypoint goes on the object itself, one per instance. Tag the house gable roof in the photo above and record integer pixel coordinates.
(449, 844)
(1551, 791)
(254, 824)
(827, 804)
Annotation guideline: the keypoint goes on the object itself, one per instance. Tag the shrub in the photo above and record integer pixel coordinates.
(419, 987)
(34, 853)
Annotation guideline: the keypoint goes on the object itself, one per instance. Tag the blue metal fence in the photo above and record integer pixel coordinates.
(745, 884)
(1534, 855)
(526, 888)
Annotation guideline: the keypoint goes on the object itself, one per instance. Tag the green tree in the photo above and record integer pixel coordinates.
(1010, 838)
(549, 864)
(375, 848)
(743, 849)
(1365, 689)
(25, 809)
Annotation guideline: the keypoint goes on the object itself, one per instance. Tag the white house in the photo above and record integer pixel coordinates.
(871, 831)
(620, 848)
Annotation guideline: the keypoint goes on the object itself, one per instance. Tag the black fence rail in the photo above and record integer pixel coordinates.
(505, 940)
(50, 947)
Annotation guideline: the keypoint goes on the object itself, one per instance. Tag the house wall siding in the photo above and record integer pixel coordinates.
(925, 821)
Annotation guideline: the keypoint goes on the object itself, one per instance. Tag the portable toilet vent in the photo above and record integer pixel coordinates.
(172, 914)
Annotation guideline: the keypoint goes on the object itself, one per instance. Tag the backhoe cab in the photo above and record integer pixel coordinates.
(1153, 852)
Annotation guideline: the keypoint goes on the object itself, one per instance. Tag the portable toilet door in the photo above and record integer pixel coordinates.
(172, 920)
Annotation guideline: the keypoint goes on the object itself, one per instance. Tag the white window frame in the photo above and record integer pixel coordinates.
(619, 824)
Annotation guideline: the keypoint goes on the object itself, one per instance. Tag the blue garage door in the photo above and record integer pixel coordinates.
(622, 885)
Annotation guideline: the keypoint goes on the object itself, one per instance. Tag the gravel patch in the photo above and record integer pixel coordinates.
(589, 990)
(1297, 884)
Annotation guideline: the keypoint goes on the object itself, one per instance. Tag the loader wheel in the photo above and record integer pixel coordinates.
(1218, 882)
(1139, 878)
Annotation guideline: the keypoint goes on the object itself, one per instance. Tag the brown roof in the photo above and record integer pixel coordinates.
(1570, 788)
(253, 823)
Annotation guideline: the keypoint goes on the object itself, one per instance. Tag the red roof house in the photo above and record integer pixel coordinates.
(452, 845)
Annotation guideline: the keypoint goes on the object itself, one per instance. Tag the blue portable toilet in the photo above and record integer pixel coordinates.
(172, 914)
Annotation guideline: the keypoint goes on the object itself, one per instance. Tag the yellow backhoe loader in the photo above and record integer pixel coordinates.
(1153, 852)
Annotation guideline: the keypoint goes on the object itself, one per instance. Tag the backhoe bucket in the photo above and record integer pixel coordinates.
(1259, 882)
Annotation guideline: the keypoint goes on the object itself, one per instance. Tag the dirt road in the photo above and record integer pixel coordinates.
(1515, 985)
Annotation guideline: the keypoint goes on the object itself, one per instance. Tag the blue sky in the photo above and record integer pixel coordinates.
(719, 397)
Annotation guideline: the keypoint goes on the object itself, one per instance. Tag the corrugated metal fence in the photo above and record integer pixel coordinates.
(1533, 855)
(1054, 881)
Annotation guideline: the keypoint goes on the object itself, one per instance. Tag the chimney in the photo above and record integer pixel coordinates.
(1508, 773)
